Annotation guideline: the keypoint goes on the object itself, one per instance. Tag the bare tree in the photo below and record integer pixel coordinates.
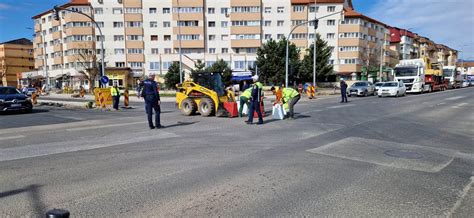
(370, 61)
(88, 65)
(3, 72)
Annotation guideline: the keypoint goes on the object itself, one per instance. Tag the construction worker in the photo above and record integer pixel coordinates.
(255, 101)
(278, 94)
(115, 96)
(149, 91)
(244, 100)
(290, 98)
(82, 91)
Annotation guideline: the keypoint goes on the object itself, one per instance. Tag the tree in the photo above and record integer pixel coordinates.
(172, 77)
(271, 61)
(221, 67)
(323, 54)
(86, 59)
(198, 67)
(3, 72)
(370, 63)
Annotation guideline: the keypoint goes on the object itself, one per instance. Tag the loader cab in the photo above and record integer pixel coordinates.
(212, 81)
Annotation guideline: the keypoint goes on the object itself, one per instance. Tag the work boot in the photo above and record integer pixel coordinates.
(152, 127)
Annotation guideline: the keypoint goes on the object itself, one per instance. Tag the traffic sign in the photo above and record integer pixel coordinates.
(104, 80)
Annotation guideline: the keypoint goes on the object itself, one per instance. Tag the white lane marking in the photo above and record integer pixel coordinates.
(104, 126)
(463, 194)
(44, 149)
(68, 117)
(11, 137)
(462, 104)
(341, 106)
(442, 103)
(455, 98)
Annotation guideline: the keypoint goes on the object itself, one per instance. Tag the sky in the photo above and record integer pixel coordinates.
(449, 22)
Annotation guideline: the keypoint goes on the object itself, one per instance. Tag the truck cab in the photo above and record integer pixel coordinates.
(453, 76)
(412, 73)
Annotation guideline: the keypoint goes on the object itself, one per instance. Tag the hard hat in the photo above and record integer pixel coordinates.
(342, 79)
(255, 78)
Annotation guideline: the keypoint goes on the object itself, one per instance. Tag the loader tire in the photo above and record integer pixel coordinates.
(206, 107)
(188, 107)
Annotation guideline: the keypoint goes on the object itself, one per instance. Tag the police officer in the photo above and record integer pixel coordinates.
(255, 101)
(343, 85)
(149, 91)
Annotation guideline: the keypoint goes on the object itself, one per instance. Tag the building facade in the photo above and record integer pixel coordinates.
(16, 56)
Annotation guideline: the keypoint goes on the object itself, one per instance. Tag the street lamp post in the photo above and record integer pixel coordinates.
(102, 51)
(180, 54)
(381, 55)
(315, 46)
(288, 41)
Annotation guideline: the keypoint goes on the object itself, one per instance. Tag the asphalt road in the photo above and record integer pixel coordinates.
(407, 156)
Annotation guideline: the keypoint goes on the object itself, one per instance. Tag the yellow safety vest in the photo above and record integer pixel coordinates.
(114, 91)
(247, 93)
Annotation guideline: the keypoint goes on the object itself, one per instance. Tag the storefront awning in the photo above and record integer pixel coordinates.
(241, 78)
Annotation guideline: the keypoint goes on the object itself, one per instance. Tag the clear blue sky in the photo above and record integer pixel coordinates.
(15, 15)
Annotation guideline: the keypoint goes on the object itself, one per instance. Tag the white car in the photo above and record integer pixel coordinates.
(377, 87)
(393, 88)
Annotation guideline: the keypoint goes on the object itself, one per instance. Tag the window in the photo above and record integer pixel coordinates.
(133, 10)
(166, 10)
(298, 36)
(134, 51)
(348, 48)
(119, 51)
(225, 50)
(239, 64)
(167, 64)
(119, 64)
(350, 61)
(154, 37)
(212, 37)
(211, 24)
(188, 23)
(330, 35)
(268, 23)
(225, 37)
(118, 24)
(135, 65)
(154, 65)
(313, 9)
(166, 24)
(167, 51)
(246, 36)
(212, 50)
(246, 9)
(189, 37)
(186, 10)
(350, 21)
(298, 8)
(167, 38)
(117, 11)
(268, 10)
(251, 50)
(118, 38)
(280, 36)
(152, 10)
(268, 36)
(331, 8)
(224, 24)
(311, 36)
(154, 50)
(224, 10)
(280, 10)
(210, 63)
(211, 10)
(331, 22)
(98, 11)
(153, 24)
(134, 24)
(297, 22)
(350, 35)
(246, 23)
(135, 38)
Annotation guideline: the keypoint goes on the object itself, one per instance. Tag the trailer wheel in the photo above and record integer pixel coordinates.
(429, 89)
(188, 107)
(206, 107)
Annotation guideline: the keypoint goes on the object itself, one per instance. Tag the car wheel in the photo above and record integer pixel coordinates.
(29, 110)
(380, 96)
(397, 95)
(366, 94)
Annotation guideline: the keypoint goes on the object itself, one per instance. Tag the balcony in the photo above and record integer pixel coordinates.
(133, 17)
(245, 43)
(135, 58)
(188, 30)
(245, 30)
(188, 3)
(79, 31)
(189, 43)
(134, 31)
(236, 3)
(188, 16)
(132, 3)
(245, 16)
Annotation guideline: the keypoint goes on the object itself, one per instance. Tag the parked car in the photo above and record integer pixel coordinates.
(361, 88)
(13, 100)
(377, 87)
(394, 88)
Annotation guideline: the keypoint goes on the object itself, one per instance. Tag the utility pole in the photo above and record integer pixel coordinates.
(382, 55)
(180, 54)
(315, 45)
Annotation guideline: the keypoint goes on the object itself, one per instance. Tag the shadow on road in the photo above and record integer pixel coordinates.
(179, 123)
(35, 111)
(34, 194)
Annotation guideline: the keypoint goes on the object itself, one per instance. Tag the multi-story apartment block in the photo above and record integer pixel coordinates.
(403, 41)
(446, 55)
(16, 56)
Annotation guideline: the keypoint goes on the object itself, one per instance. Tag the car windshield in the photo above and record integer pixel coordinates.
(359, 84)
(378, 84)
(406, 71)
(448, 72)
(8, 91)
(390, 85)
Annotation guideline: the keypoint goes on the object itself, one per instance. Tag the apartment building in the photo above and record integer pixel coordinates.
(446, 55)
(16, 56)
(363, 43)
(403, 41)
(146, 35)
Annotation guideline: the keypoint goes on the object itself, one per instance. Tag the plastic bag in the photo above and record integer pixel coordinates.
(277, 112)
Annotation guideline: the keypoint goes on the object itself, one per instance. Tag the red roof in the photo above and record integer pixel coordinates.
(396, 34)
(349, 12)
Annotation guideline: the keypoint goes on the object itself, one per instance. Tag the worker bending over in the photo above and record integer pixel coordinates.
(290, 98)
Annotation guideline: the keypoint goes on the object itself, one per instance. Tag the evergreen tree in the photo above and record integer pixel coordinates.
(198, 67)
(323, 67)
(221, 67)
(172, 77)
(271, 61)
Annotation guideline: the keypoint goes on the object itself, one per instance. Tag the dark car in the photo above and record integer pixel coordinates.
(13, 100)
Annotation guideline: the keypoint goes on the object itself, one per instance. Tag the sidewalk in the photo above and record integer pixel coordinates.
(68, 98)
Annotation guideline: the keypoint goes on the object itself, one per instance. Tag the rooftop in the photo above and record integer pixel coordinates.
(22, 41)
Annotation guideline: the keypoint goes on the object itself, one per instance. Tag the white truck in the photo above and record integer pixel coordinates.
(420, 75)
(454, 77)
